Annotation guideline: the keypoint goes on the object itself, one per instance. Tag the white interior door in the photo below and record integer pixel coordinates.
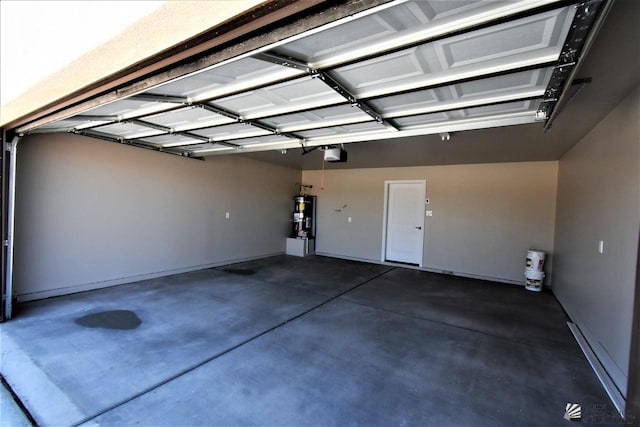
(405, 221)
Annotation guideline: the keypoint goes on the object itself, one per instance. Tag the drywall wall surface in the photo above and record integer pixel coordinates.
(599, 199)
(485, 216)
(91, 213)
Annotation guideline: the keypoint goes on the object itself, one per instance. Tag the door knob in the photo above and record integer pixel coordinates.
(418, 228)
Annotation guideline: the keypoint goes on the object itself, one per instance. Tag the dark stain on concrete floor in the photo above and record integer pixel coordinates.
(111, 319)
(240, 271)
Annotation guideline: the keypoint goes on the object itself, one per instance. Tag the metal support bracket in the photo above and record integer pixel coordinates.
(252, 122)
(285, 61)
(144, 123)
(161, 98)
(133, 142)
(220, 111)
(587, 21)
(327, 79)
(91, 118)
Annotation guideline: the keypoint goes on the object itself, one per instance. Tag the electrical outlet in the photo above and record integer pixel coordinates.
(601, 246)
(429, 213)
(349, 219)
(226, 215)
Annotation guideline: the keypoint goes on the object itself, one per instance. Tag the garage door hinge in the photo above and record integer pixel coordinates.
(7, 146)
(6, 243)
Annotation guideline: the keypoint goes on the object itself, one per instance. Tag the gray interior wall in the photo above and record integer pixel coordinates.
(599, 199)
(485, 216)
(93, 213)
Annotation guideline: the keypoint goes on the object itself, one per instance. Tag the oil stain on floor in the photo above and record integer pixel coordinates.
(111, 319)
(239, 271)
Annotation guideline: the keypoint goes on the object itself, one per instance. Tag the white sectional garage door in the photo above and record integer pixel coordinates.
(401, 69)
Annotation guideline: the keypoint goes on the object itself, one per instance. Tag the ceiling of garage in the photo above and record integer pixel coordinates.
(393, 74)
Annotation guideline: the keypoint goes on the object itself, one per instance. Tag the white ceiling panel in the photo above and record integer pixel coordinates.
(303, 93)
(210, 149)
(266, 140)
(188, 118)
(230, 132)
(129, 108)
(171, 140)
(346, 129)
(440, 117)
(524, 84)
(203, 146)
(503, 110)
(72, 123)
(525, 42)
(337, 115)
(230, 77)
(527, 106)
(128, 130)
(403, 23)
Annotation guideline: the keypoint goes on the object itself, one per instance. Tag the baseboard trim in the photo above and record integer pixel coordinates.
(616, 397)
(431, 270)
(74, 289)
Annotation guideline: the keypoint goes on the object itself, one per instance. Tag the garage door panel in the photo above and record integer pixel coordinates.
(401, 23)
(525, 42)
(504, 108)
(492, 112)
(265, 140)
(128, 130)
(171, 140)
(285, 97)
(128, 108)
(525, 84)
(188, 118)
(403, 68)
(77, 122)
(341, 114)
(371, 126)
(232, 131)
(222, 80)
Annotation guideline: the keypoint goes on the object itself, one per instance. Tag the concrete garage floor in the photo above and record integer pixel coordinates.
(301, 341)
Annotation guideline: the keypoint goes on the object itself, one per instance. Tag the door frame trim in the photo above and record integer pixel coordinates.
(386, 209)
